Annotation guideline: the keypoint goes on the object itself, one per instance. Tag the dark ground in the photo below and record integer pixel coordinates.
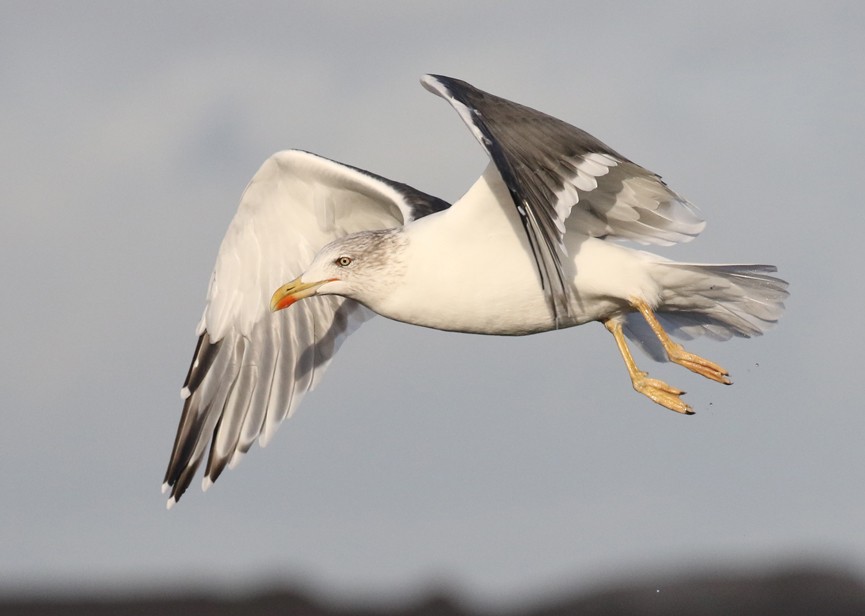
(790, 592)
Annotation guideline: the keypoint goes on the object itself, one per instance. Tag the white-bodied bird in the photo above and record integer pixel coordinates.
(535, 244)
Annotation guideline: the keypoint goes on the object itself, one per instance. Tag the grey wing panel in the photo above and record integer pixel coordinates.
(562, 178)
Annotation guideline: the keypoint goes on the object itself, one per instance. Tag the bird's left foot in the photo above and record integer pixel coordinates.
(660, 393)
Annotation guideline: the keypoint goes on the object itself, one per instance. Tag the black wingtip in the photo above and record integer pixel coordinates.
(441, 85)
(181, 466)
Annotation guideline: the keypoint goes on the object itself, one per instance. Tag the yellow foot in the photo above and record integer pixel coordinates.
(661, 393)
(677, 354)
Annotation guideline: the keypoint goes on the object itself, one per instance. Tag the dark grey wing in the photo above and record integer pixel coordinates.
(550, 167)
(251, 366)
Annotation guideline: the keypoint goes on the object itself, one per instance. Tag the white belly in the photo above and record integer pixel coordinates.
(471, 270)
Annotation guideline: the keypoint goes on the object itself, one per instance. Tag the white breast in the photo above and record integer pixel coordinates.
(470, 269)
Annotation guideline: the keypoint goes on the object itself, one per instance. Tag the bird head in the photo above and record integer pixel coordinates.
(355, 266)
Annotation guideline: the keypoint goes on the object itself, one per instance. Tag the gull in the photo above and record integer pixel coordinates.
(539, 242)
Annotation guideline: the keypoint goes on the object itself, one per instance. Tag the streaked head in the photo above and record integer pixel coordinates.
(358, 266)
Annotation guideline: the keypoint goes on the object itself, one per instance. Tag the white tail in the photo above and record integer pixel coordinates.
(718, 301)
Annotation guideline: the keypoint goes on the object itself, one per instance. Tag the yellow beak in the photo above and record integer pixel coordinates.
(293, 291)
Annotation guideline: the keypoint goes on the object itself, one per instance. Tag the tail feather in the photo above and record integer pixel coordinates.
(716, 301)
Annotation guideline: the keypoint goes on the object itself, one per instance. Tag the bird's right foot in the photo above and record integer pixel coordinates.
(661, 393)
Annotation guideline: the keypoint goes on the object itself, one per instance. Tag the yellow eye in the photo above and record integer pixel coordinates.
(343, 261)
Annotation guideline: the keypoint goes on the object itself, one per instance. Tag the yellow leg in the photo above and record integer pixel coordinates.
(676, 353)
(657, 391)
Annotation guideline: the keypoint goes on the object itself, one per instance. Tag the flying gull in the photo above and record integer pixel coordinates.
(535, 244)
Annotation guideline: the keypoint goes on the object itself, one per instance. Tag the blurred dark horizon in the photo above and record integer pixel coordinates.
(790, 588)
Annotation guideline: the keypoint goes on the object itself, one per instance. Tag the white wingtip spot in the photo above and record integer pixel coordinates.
(205, 484)
(432, 84)
(171, 502)
(165, 487)
(185, 393)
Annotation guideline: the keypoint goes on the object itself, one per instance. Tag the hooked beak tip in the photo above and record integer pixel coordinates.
(292, 292)
(284, 296)
(279, 303)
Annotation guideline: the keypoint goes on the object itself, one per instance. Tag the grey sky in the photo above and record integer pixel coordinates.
(503, 466)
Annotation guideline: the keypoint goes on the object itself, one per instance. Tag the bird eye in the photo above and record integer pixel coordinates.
(343, 261)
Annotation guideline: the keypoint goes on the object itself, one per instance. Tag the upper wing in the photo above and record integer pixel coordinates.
(550, 167)
(251, 367)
